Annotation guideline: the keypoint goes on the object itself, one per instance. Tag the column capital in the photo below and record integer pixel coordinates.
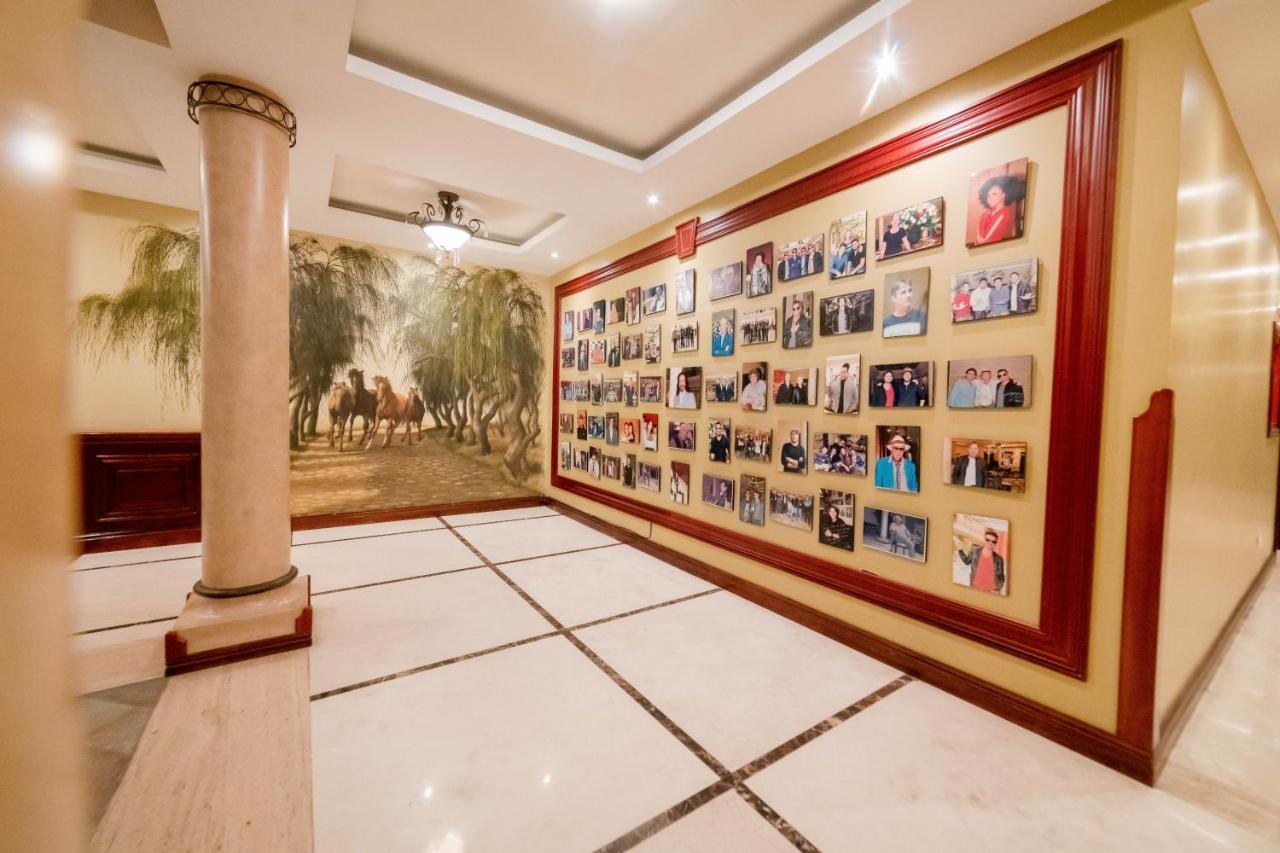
(233, 96)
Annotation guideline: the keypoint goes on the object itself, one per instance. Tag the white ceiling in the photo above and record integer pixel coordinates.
(366, 126)
(1241, 38)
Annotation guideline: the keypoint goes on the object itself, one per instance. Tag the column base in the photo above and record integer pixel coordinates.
(216, 631)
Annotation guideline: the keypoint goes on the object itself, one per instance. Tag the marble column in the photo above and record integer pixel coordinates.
(249, 596)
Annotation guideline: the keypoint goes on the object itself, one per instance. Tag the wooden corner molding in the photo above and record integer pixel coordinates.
(687, 238)
(1088, 87)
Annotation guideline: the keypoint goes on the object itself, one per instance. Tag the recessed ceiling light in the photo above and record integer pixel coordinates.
(653, 198)
(555, 254)
(887, 62)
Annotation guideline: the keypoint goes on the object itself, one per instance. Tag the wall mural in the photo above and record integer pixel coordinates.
(440, 368)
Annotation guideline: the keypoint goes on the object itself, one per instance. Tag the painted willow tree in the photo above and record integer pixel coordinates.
(474, 339)
(337, 300)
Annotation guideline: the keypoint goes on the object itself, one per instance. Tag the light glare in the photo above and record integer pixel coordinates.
(653, 198)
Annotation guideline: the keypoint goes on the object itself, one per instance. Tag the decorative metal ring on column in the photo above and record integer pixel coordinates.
(218, 93)
(252, 589)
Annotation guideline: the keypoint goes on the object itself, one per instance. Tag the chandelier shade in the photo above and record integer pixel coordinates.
(446, 227)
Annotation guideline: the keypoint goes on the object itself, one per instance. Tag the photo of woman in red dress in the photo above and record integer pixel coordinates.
(997, 199)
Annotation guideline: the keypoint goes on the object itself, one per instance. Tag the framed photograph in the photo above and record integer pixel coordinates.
(568, 357)
(597, 316)
(595, 427)
(997, 204)
(582, 390)
(566, 422)
(617, 311)
(758, 326)
(726, 280)
(910, 229)
(793, 455)
(836, 518)
(611, 428)
(629, 471)
(847, 313)
(684, 387)
(717, 491)
(895, 533)
(597, 389)
(898, 458)
(580, 458)
(722, 388)
(849, 247)
(654, 300)
(685, 300)
(797, 386)
(599, 350)
(755, 386)
(632, 306)
(586, 320)
(751, 494)
(613, 350)
(840, 396)
(632, 347)
(612, 467)
(722, 333)
(682, 435)
(797, 320)
(566, 390)
(566, 329)
(791, 509)
(684, 336)
(630, 430)
(980, 552)
(981, 463)
(906, 303)
(754, 444)
(1003, 291)
(800, 258)
(902, 385)
(840, 453)
(566, 455)
(650, 477)
(719, 439)
(648, 431)
(580, 423)
(1002, 382)
(760, 270)
(653, 344)
(593, 462)
(630, 382)
(584, 354)
(650, 389)
(678, 487)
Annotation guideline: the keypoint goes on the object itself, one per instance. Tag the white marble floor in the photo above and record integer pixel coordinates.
(520, 681)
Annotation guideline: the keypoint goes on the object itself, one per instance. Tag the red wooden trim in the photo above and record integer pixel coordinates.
(1089, 88)
(687, 238)
(1088, 740)
(1143, 565)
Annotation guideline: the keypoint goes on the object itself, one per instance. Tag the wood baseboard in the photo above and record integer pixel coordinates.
(1100, 745)
(1175, 719)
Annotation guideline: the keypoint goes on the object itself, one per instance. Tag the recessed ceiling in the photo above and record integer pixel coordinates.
(375, 191)
(631, 75)
(105, 128)
(137, 18)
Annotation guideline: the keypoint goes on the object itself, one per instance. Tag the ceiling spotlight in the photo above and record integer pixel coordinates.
(555, 254)
(653, 198)
(445, 227)
(886, 63)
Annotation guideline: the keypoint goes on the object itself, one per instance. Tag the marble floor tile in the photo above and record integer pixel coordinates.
(136, 555)
(532, 537)
(365, 633)
(107, 659)
(354, 562)
(529, 749)
(726, 823)
(125, 594)
(499, 515)
(738, 678)
(923, 771)
(578, 588)
(355, 531)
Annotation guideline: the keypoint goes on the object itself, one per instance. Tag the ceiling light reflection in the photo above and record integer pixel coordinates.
(1205, 188)
(1214, 242)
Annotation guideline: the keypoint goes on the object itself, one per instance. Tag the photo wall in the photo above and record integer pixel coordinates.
(866, 378)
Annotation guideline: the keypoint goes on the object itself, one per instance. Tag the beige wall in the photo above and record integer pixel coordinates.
(1226, 287)
(112, 393)
(1158, 38)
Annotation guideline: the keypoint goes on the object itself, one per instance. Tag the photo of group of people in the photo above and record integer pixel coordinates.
(998, 288)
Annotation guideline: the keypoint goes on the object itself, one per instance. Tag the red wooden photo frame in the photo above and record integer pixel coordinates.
(1089, 88)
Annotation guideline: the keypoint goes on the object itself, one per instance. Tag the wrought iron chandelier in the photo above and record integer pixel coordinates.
(446, 227)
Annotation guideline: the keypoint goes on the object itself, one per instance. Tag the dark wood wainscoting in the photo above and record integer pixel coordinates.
(143, 489)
